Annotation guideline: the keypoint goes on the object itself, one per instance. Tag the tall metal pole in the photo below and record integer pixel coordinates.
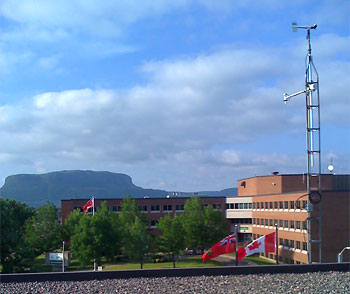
(63, 257)
(236, 233)
(313, 138)
(93, 214)
(276, 242)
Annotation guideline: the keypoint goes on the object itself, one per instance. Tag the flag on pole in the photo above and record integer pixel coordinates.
(263, 244)
(226, 245)
(88, 204)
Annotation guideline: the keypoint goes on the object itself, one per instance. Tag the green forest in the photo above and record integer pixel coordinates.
(27, 233)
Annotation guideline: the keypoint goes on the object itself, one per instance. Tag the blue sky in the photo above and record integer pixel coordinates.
(180, 95)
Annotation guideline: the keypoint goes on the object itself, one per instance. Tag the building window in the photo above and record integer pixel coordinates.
(281, 204)
(168, 207)
(266, 222)
(216, 206)
(180, 207)
(258, 205)
(291, 243)
(258, 221)
(297, 204)
(298, 225)
(232, 206)
(292, 224)
(305, 246)
(266, 205)
(275, 222)
(254, 221)
(286, 242)
(281, 223)
(143, 208)
(236, 205)
(262, 221)
(271, 223)
(262, 205)
(155, 208)
(250, 206)
(291, 204)
(227, 206)
(304, 225)
(116, 208)
(304, 204)
(281, 241)
(298, 245)
(254, 236)
(275, 205)
(286, 224)
(271, 205)
(245, 205)
(285, 204)
(154, 223)
(254, 206)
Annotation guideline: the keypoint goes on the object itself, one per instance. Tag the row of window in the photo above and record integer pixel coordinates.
(286, 224)
(281, 205)
(241, 221)
(166, 207)
(238, 205)
(288, 243)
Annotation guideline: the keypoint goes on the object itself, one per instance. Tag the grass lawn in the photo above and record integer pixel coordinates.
(259, 260)
(184, 263)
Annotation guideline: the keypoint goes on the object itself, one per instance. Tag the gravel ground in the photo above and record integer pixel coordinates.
(323, 282)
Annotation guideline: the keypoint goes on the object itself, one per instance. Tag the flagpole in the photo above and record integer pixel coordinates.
(93, 214)
(236, 233)
(276, 243)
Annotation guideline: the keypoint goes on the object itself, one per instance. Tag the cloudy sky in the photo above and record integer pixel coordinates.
(182, 95)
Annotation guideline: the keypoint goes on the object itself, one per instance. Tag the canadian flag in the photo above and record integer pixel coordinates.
(263, 244)
(88, 204)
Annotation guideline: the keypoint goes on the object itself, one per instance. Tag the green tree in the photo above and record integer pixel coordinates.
(203, 226)
(193, 220)
(15, 256)
(172, 239)
(70, 224)
(94, 237)
(215, 226)
(135, 238)
(82, 242)
(106, 233)
(43, 231)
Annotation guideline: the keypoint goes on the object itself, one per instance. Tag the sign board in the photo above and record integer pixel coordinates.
(243, 228)
(55, 258)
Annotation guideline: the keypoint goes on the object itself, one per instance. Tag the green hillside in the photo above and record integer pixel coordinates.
(35, 190)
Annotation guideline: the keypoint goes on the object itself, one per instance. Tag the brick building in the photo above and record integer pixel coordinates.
(283, 200)
(154, 208)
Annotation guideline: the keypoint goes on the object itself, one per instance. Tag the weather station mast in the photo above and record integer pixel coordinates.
(313, 152)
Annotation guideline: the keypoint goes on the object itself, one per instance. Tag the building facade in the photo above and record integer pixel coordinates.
(239, 214)
(282, 201)
(153, 208)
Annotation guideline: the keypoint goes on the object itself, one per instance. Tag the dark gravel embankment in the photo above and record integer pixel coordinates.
(322, 282)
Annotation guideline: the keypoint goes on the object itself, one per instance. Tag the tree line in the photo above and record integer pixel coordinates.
(27, 233)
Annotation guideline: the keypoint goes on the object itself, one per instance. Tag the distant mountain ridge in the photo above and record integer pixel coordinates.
(36, 189)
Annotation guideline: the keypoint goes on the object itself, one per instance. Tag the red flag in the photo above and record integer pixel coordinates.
(263, 244)
(226, 245)
(88, 204)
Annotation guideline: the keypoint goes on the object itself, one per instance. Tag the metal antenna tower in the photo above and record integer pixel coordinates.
(313, 181)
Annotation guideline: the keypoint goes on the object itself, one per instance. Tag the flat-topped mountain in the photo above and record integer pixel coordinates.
(36, 189)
